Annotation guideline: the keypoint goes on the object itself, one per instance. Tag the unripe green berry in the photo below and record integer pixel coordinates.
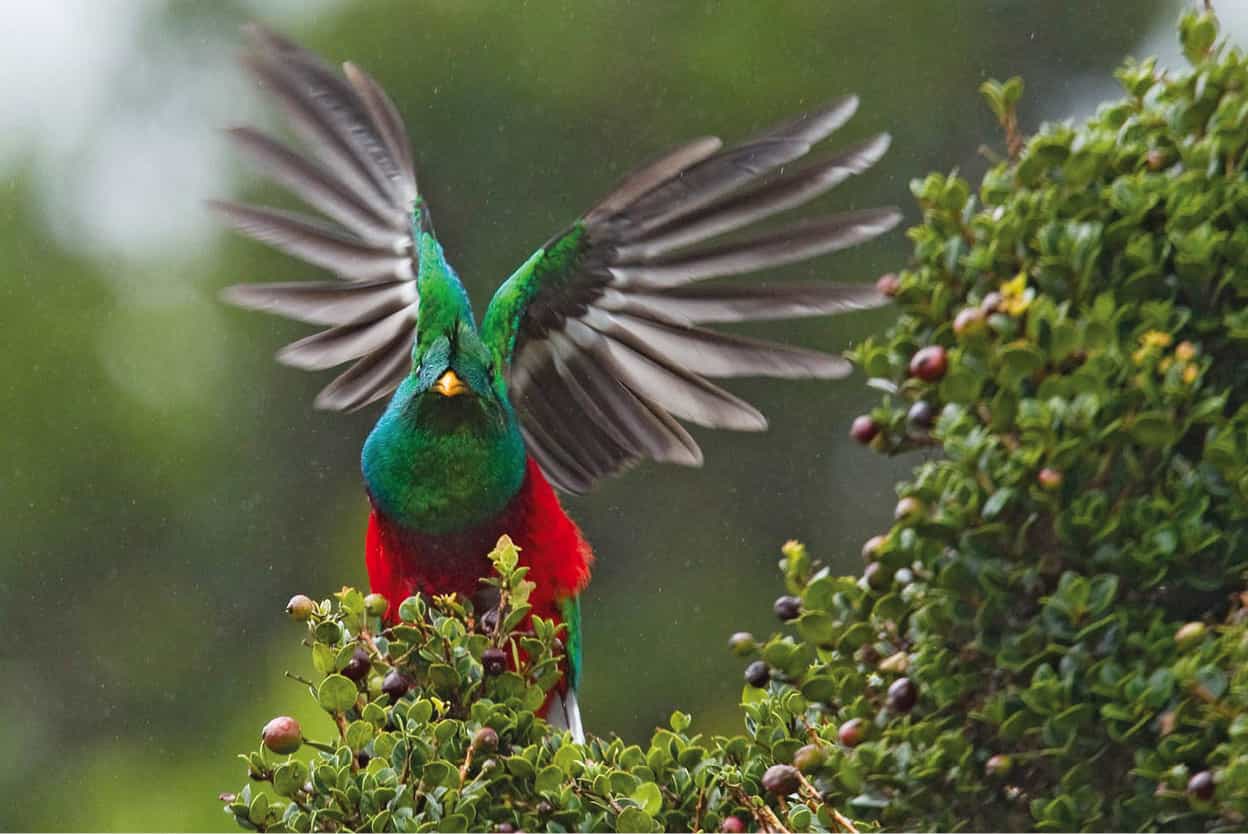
(742, 644)
(376, 605)
(809, 757)
(300, 607)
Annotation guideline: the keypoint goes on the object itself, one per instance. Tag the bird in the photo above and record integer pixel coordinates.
(588, 359)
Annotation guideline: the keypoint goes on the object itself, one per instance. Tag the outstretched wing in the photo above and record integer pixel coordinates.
(359, 176)
(601, 329)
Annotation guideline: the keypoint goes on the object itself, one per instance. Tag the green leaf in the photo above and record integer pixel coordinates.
(359, 734)
(548, 779)
(634, 819)
(336, 693)
(648, 797)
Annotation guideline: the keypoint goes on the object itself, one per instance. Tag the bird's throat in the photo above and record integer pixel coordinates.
(442, 481)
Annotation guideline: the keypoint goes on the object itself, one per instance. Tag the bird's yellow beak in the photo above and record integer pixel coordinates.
(450, 385)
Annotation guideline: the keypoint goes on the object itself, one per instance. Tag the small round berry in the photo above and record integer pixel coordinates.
(1049, 478)
(908, 508)
(781, 779)
(874, 575)
(852, 732)
(485, 740)
(300, 607)
(969, 320)
(362, 758)
(864, 429)
(282, 735)
(732, 825)
(757, 674)
(990, 302)
(1189, 634)
(494, 661)
(787, 608)
(922, 415)
(544, 808)
(395, 684)
(888, 284)
(1201, 785)
(809, 757)
(902, 695)
(930, 363)
(742, 644)
(357, 667)
(999, 766)
(1155, 159)
(903, 576)
(871, 548)
(505, 828)
(376, 605)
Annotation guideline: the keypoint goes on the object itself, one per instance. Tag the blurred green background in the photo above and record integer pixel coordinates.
(165, 486)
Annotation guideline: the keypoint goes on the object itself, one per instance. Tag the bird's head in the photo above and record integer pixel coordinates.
(453, 377)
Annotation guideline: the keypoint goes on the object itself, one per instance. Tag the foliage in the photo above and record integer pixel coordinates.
(1064, 583)
(431, 738)
(1054, 633)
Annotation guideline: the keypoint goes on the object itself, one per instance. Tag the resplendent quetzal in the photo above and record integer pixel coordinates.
(587, 356)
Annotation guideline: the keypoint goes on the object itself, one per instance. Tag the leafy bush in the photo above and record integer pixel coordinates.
(1054, 633)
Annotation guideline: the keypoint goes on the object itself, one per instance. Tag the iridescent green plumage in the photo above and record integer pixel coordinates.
(588, 357)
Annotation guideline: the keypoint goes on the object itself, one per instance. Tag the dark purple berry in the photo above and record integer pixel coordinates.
(494, 661)
(362, 758)
(1201, 785)
(395, 684)
(922, 415)
(781, 780)
(757, 674)
(357, 667)
(787, 608)
(902, 695)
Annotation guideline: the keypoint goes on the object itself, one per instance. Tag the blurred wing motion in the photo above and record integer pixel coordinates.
(601, 328)
(360, 177)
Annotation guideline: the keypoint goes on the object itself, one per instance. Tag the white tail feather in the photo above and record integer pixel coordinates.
(565, 714)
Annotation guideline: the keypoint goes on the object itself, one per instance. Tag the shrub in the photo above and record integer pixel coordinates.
(1053, 633)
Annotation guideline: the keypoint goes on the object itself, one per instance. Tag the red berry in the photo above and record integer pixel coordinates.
(757, 674)
(395, 684)
(902, 695)
(357, 667)
(888, 284)
(1049, 478)
(732, 825)
(1201, 785)
(864, 429)
(282, 735)
(494, 661)
(852, 732)
(787, 608)
(781, 779)
(930, 363)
